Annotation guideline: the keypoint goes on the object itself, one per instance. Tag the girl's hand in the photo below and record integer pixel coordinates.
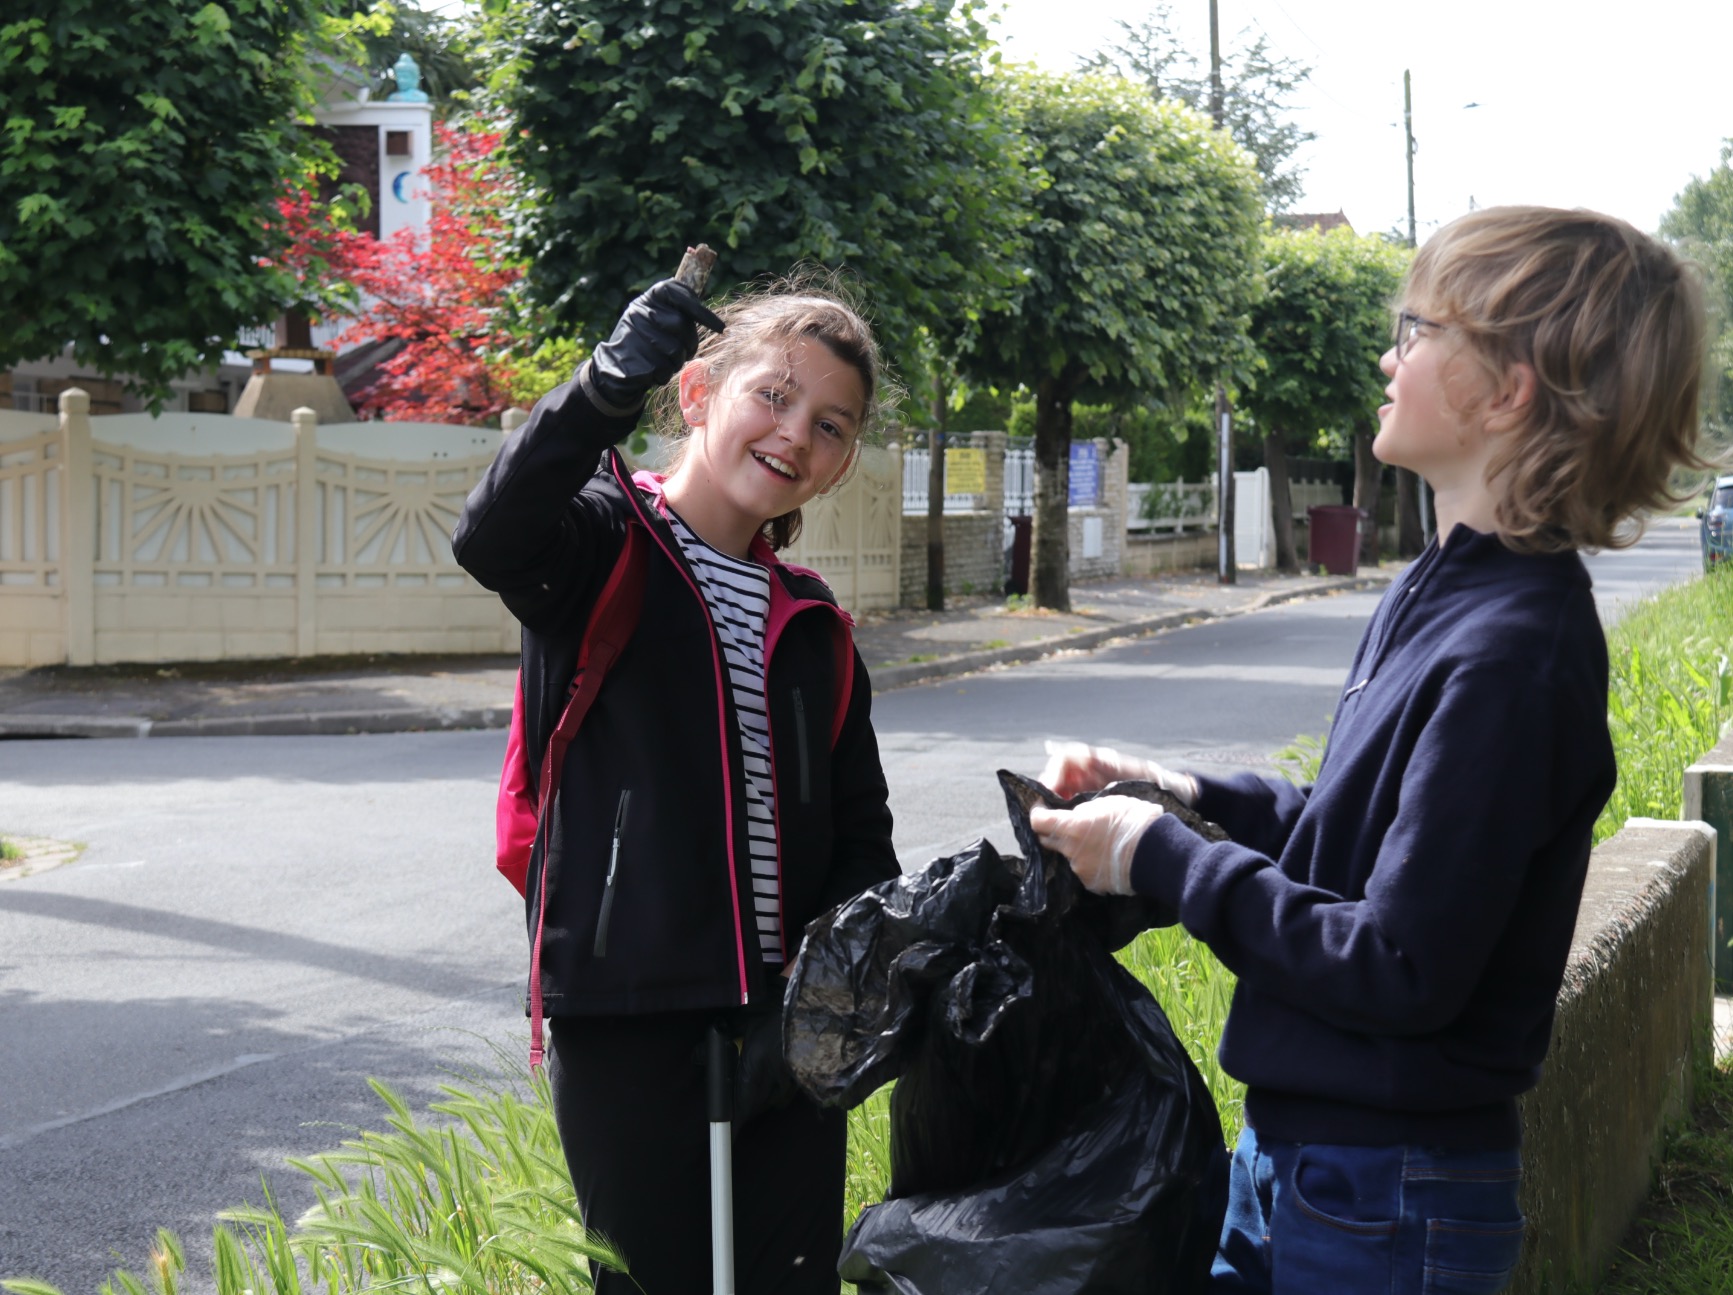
(655, 337)
(1075, 767)
(1099, 837)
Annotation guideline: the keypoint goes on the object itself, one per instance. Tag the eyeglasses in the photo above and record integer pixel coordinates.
(1408, 326)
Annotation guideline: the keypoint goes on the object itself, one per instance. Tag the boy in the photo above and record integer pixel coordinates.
(1400, 927)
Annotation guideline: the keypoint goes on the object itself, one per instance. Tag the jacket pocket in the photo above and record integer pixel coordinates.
(606, 913)
(802, 748)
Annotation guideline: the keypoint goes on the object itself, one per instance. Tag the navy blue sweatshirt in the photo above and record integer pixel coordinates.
(1400, 927)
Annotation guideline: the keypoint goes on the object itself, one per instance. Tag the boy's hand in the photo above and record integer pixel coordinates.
(1099, 837)
(1075, 767)
(655, 337)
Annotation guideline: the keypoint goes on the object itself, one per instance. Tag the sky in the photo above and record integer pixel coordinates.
(1583, 104)
(1576, 103)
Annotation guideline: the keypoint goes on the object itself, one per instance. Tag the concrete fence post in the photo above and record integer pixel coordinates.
(78, 522)
(511, 420)
(1708, 787)
(306, 424)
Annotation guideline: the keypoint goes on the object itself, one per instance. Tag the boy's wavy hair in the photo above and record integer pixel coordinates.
(1612, 323)
(809, 303)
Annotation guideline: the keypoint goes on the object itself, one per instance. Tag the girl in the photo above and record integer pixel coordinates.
(723, 789)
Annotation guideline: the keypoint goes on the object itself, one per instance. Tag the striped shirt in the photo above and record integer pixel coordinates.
(738, 594)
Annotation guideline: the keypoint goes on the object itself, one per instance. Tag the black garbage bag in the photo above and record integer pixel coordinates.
(1048, 1131)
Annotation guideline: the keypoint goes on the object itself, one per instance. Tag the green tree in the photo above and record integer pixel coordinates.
(144, 148)
(1701, 224)
(1141, 265)
(1319, 329)
(850, 133)
(1257, 88)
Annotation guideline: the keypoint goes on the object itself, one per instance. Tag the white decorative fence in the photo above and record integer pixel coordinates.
(204, 536)
(1175, 506)
(32, 628)
(854, 538)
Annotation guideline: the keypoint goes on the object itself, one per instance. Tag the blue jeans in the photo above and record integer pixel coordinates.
(1311, 1219)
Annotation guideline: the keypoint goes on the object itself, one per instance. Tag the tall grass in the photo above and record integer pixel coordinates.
(1670, 694)
(474, 1202)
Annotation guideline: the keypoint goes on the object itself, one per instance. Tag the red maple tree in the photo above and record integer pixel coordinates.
(443, 294)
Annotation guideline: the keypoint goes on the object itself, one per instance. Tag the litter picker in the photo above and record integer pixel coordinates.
(720, 1053)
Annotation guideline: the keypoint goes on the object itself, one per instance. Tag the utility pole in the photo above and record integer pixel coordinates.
(1408, 130)
(1227, 571)
(1414, 241)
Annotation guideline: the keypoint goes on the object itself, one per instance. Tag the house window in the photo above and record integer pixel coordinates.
(397, 143)
(207, 402)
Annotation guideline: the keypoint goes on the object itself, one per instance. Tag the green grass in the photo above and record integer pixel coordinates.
(1194, 990)
(9, 851)
(475, 1201)
(1670, 696)
(1682, 1244)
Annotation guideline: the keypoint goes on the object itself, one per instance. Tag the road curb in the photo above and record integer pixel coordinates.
(340, 723)
(885, 678)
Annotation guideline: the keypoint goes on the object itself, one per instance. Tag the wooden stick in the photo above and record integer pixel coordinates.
(695, 268)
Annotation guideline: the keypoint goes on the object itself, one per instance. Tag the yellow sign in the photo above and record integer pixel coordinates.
(965, 472)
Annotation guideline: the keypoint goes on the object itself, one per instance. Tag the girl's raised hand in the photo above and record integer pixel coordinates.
(655, 337)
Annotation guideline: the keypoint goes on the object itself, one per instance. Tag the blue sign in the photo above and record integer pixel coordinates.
(1085, 475)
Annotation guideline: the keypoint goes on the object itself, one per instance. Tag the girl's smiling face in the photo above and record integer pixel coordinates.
(779, 427)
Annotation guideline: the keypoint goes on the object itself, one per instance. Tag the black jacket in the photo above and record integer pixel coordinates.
(1400, 928)
(543, 530)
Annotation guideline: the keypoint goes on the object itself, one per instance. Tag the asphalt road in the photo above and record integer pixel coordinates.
(258, 925)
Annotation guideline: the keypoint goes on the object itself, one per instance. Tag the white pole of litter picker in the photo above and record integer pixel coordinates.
(719, 1074)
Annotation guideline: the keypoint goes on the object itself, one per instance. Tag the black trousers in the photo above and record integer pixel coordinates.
(629, 1101)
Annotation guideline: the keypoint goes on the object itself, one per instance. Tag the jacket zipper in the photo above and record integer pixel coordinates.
(800, 743)
(772, 635)
(616, 464)
(607, 911)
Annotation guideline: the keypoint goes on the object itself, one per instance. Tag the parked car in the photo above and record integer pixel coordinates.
(1715, 530)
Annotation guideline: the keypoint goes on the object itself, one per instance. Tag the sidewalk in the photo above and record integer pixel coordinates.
(408, 693)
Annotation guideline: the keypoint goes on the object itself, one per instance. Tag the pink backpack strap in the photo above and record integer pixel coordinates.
(612, 621)
(842, 644)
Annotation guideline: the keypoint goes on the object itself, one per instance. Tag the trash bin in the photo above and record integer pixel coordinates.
(1022, 534)
(1333, 542)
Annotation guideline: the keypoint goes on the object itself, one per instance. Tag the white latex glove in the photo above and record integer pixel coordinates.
(1099, 837)
(1076, 767)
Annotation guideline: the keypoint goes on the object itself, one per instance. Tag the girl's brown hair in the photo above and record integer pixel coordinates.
(1611, 321)
(810, 304)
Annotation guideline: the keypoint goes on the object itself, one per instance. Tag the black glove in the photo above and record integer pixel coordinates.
(762, 1081)
(655, 337)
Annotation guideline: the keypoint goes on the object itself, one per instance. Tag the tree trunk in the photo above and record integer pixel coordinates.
(936, 507)
(1367, 487)
(1409, 540)
(1050, 581)
(1281, 500)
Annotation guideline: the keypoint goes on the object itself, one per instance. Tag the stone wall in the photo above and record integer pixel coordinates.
(1632, 1028)
(975, 542)
(974, 556)
(1145, 555)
